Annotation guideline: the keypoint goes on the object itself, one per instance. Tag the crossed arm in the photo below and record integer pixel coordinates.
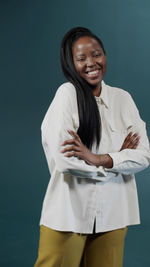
(133, 156)
(77, 149)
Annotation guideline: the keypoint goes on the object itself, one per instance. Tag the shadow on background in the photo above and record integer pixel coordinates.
(31, 32)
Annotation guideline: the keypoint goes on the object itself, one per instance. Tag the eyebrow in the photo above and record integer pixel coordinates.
(97, 50)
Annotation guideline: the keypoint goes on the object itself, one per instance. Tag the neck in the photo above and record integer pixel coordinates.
(97, 90)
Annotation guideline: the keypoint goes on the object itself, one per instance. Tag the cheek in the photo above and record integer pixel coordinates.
(102, 61)
(105, 61)
(78, 67)
(104, 64)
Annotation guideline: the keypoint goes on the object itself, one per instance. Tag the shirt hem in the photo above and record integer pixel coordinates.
(103, 229)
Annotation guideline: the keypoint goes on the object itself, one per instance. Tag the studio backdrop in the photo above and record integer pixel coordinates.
(31, 33)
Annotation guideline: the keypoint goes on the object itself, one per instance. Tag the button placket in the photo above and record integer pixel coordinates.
(99, 206)
(91, 208)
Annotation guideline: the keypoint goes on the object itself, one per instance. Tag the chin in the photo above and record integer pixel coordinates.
(94, 83)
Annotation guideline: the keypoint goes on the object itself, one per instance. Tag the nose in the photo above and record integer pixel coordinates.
(90, 61)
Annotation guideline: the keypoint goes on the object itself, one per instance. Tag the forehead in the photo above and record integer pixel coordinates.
(85, 43)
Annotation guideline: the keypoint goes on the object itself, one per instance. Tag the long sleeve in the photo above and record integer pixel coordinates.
(130, 161)
(113, 202)
(57, 121)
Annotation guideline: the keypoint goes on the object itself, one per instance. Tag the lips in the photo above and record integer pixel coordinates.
(93, 73)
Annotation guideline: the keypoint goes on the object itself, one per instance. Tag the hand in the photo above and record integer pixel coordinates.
(77, 149)
(131, 141)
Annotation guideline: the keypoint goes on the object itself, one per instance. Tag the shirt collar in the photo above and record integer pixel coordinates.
(103, 98)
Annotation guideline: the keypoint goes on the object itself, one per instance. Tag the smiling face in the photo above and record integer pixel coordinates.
(90, 61)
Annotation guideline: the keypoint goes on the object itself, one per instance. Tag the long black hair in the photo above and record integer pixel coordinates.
(89, 118)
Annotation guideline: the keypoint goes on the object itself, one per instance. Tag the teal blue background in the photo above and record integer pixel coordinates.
(31, 32)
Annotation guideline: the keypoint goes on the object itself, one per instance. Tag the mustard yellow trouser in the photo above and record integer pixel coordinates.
(68, 249)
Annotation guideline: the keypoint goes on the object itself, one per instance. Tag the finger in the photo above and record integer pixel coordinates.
(75, 135)
(135, 135)
(130, 139)
(134, 138)
(131, 135)
(136, 145)
(128, 136)
(71, 154)
(127, 139)
(133, 142)
(70, 148)
(70, 141)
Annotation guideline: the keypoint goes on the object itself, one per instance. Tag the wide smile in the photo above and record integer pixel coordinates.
(94, 74)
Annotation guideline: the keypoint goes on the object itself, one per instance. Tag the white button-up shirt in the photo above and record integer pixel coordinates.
(79, 193)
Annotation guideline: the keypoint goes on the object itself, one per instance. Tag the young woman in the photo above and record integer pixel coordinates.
(94, 141)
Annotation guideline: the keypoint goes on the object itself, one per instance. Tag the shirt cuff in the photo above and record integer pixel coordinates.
(87, 174)
(116, 157)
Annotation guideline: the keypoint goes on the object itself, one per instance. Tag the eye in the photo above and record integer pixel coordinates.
(98, 54)
(80, 59)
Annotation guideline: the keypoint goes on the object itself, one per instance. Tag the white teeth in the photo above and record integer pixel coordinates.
(93, 72)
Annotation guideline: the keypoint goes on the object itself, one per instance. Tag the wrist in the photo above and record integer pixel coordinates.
(104, 160)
